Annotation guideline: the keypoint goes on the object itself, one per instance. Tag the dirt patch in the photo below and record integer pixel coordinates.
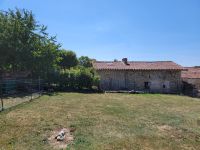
(174, 133)
(61, 144)
(178, 134)
(164, 128)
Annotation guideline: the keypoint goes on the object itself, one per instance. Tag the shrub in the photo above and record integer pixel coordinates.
(84, 79)
(78, 78)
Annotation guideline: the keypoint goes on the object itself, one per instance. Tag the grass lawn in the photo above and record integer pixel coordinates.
(104, 121)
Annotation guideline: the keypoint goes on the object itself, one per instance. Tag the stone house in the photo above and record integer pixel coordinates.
(191, 81)
(154, 77)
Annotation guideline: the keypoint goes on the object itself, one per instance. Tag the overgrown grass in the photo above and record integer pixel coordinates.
(104, 121)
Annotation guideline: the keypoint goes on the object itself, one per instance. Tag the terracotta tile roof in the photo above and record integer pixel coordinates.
(136, 65)
(191, 73)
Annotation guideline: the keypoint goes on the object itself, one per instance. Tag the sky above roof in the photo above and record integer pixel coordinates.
(112, 29)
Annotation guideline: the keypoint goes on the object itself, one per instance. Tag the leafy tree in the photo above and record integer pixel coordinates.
(85, 61)
(24, 44)
(68, 59)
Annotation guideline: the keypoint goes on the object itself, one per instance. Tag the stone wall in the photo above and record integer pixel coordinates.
(191, 87)
(158, 81)
(195, 82)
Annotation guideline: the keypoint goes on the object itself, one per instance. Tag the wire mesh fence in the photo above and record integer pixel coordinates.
(14, 92)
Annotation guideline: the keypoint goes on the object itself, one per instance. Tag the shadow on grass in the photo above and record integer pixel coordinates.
(82, 91)
(48, 93)
(19, 98)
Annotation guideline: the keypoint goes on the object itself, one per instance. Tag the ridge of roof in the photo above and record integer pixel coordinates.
(191, 73)
(195, 67)
(137, 65)
(131, 61)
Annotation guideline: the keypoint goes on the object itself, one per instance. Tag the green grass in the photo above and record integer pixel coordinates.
(104, 121)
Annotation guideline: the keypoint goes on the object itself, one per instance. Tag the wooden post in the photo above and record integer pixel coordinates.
(31, 89)
(1, 97)
(2, 107)
(39, 87)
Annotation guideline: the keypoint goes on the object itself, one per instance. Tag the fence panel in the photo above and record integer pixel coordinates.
(14, 92)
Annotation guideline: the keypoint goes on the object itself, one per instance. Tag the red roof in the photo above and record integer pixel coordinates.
(191, 73)
(136, 65)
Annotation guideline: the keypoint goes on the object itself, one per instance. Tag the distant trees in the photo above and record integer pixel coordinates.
(68, 59)
(85, 61)
(25, 45)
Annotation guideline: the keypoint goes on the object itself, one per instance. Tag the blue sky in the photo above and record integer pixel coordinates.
(107, 29)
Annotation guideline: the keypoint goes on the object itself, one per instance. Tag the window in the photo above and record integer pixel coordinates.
(164, 86)
(146, 85)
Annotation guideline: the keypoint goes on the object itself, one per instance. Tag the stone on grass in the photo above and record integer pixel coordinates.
(60, 138)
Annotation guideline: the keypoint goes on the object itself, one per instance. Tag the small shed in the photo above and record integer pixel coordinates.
(191, 81)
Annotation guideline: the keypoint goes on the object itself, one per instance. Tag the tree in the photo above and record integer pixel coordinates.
(24, 44)
(68, 59)
(85, 61)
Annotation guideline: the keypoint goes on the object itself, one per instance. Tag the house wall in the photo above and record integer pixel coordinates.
(159, 81)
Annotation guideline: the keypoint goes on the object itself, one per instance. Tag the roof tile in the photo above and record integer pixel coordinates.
(136, 65)
(191, 73)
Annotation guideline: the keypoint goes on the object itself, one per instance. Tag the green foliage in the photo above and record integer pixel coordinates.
(68, 59)
(84, 78)
(78, 78)
(24, 44)
(85, 61)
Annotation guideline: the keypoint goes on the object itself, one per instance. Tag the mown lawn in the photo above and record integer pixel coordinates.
(104, 121)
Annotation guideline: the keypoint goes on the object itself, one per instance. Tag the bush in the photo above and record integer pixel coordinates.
(84, 79)
(78, 78)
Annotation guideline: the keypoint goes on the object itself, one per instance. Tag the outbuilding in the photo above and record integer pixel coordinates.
(191, 81)
(153, 77)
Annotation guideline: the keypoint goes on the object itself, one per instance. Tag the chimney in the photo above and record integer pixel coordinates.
(125, 61)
